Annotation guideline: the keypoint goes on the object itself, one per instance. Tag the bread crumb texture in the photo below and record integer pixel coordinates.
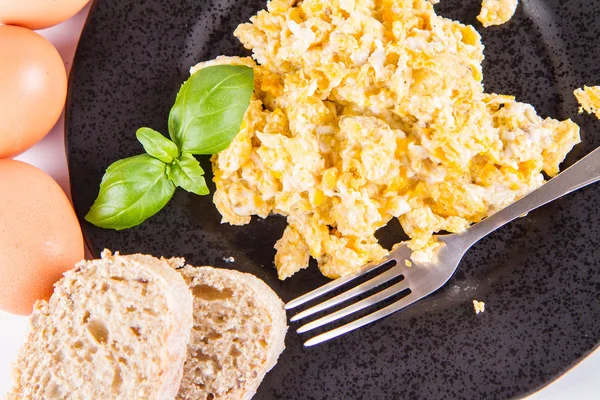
(238, 333)
(109, 331)
(479, 306)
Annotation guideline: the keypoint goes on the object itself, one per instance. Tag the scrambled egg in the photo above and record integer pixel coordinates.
(479, 306)
(589, 99)
(368, 110)
(496, 12)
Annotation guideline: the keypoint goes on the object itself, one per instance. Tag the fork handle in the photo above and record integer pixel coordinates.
(584, 172)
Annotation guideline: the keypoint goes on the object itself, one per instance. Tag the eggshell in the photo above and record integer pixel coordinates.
(38, 14)
(33, 84)
(40, 236)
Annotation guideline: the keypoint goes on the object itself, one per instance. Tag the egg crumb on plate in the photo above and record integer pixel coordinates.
(496, 12)
(479, 306)
(589, 100)
(365, 111)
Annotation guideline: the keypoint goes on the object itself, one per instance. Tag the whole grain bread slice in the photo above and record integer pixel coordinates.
(115, 328)
(237, 337)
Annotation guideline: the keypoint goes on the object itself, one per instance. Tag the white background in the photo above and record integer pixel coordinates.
(582, 382)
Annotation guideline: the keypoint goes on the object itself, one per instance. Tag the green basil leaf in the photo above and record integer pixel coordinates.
(157, 145)
(132, 190)
(187, 173)
(210, 108)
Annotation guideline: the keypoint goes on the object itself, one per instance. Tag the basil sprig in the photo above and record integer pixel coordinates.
(207, 115)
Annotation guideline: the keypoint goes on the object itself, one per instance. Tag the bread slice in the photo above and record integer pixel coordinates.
(114, 328)
(238, 334)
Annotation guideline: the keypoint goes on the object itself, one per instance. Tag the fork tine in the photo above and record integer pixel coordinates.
(369, 301)
(347, 295)
(384, 312)
(336, 283)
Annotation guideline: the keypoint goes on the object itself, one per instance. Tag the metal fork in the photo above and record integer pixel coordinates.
(422, 279)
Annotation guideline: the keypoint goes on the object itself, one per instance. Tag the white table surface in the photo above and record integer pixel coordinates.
(581, 382)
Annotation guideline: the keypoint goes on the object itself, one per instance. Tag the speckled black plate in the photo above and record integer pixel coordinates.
(539, 276)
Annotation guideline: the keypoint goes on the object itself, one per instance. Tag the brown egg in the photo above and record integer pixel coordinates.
(33, 88)
(40, 236)
(38, 14)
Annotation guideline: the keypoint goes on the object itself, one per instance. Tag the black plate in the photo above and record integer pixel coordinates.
(539, 276)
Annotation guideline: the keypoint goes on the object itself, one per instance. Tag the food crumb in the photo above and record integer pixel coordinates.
(228, 259)
(589, 100)
(479, 306)
(496, 12)
(408, 263)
